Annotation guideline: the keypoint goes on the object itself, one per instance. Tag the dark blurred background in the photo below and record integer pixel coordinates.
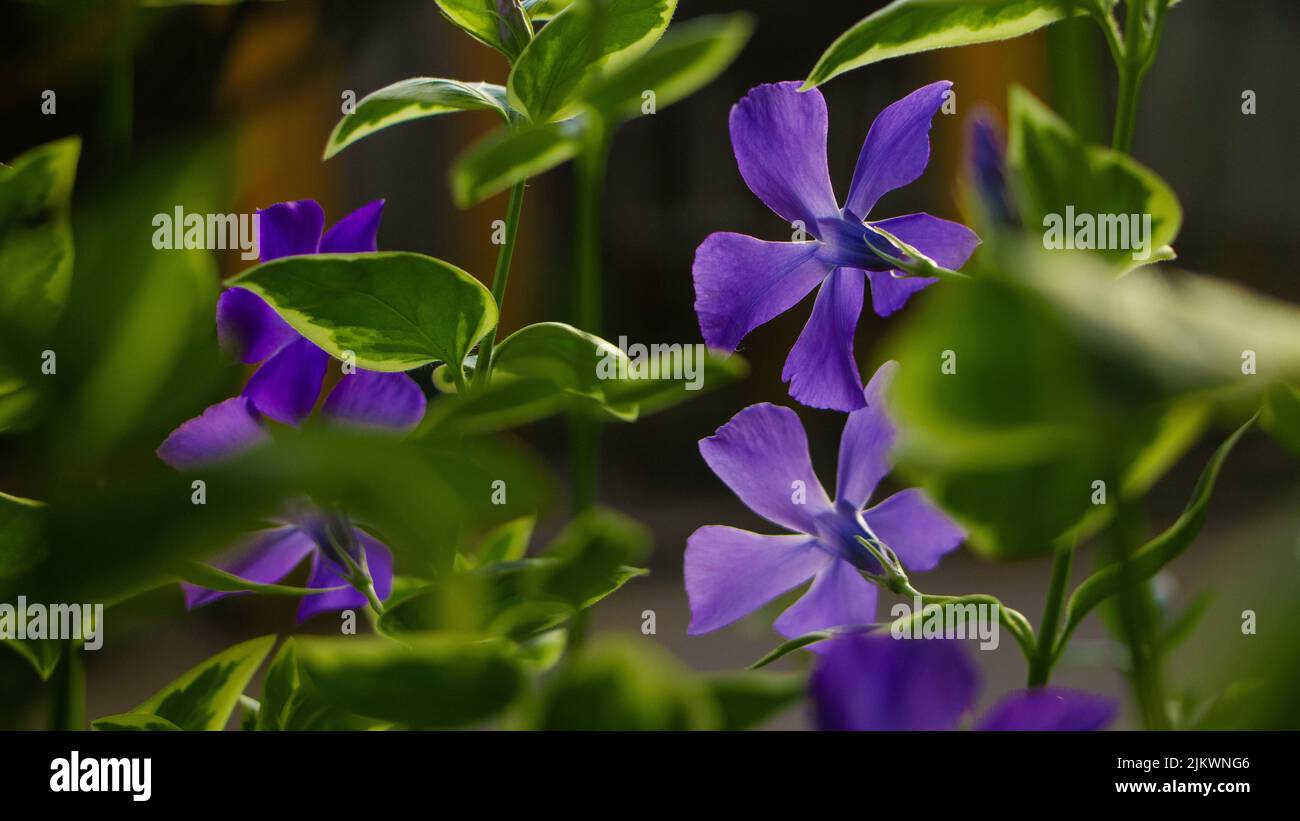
(138, 81)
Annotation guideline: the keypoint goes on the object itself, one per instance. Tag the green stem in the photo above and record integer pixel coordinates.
(584, 431)
(1134, 607)
(1040, 666)
(499, 279)
(70, 690)
(1132, 62)
(1020, 628)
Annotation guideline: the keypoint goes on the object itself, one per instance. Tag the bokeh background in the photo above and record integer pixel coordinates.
(268, 80)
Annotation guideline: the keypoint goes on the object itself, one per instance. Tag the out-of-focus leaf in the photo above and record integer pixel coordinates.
(42, 654)
(214, 578)
(395, 311)
(36, 235)
(689, 57)
(1059, 179)
(1171, 433)
(499, 24)
(911, 26)
(510, 156)
(414, 99)
(626, 683)
(1009, 443)
(20, 533)
(507, 542)
(1281, 416)
(746, 700)
(423, 681)
(133, 722)
(289, 702)
(1157, 553)
(589, 560)
(541, 653)
(205, 696)
(582, 41)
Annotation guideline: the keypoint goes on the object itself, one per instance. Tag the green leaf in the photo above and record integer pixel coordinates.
(42, 654)
(542, 10)
(588, 561)
(1158, 552)
(499, 405)
(746, 700)
(133, 722)
(424, 681)
(205, 696)
(626, 683)
(584, 40)
(215, 578)
(1008, 443)
(1166, 440)
(290, 702)
(36, 235)
(499, 24)
(20, 533)
(1060, 180)
(912, 26)
(414, 99)
(393, 311)
(506, 157)
(507, 542)
(1281, 416)
(688, 58)
(665, 378)
(574, 361)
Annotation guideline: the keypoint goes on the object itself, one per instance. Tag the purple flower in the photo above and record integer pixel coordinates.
(762, 455)
(286, 387)
(876, 682)
(988, 175)
(287, 384)
(779, 138)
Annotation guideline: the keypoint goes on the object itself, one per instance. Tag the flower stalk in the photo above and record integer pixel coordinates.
(500, 277)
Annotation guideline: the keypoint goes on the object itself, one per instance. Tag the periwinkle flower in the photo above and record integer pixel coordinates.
(762, 455)
(285, 388)
(988, 172)
(778, 135)
(876, 682)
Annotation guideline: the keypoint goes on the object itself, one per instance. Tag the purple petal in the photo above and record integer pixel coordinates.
(1050, 708)
(222, 431)
(821, 369)
(249, 329)
(838, 597)
(287, 385)
(897, 148)
(865, 444)
(357, 233)
(731, 573)
(386, 400)
(762, 455)
(325, 573)
(920, 533)
(779, 137)
(742, 282)
(875, 682)
(289, 229)
(988, 152)
(891, 291)
(266, 558)
(946, 242)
